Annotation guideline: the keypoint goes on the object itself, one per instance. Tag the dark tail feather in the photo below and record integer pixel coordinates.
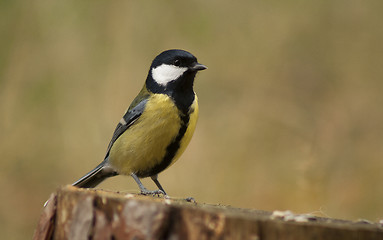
(96, 176)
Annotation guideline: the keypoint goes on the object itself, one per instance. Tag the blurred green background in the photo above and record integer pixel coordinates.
(291, 110)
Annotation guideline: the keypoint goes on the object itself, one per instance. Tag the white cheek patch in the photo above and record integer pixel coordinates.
(165, 73)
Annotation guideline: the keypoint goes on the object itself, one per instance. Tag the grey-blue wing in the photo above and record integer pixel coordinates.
(129, 118)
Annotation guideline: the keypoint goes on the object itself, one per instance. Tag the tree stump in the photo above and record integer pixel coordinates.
(73, 213)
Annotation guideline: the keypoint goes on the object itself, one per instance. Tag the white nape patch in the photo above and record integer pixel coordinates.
(165, 73)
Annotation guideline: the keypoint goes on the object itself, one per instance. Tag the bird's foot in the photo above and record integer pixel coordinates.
(154, 192)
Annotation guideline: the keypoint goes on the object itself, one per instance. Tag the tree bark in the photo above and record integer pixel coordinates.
(73, 213)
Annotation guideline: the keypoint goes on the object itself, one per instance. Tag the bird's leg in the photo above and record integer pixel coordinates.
(145, 191)
(155, 180)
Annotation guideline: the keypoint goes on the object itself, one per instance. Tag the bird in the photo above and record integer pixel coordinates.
(157, 126)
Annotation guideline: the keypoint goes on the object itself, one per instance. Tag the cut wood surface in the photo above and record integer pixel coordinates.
(73, 213)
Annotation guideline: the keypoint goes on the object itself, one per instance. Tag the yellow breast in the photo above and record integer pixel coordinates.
(143, 145)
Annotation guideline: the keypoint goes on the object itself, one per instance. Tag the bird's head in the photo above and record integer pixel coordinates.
(172, 69)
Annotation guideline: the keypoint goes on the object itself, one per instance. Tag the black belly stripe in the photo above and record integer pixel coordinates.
(171, 151)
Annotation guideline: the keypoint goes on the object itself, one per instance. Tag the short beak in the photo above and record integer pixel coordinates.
(197, 67)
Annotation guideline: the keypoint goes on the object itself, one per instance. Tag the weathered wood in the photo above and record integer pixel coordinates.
(73, 213)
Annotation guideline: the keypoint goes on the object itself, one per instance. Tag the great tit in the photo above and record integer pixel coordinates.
(158, 125)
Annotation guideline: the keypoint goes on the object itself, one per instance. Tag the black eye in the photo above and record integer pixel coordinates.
(177, 62)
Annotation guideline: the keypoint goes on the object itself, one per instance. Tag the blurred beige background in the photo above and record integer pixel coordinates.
(291, 105)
